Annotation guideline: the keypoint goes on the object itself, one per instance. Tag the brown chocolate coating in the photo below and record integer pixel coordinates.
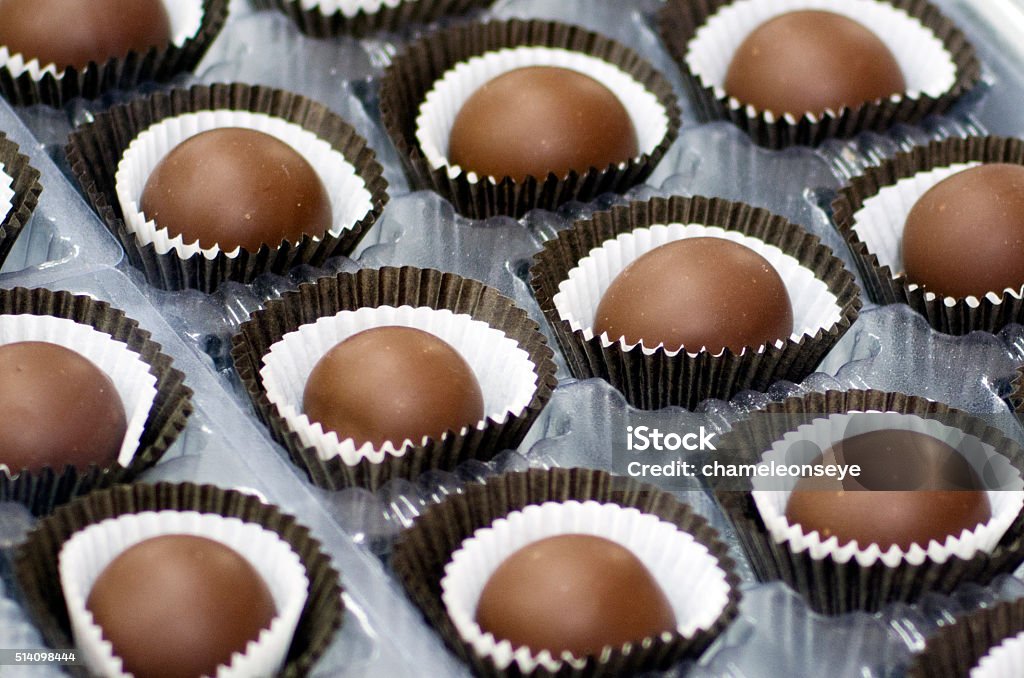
(810, 60)
(178, 605)
(392, 383)
(75, 32)
(914, 488)
(573, 593)
(697, 292)
(965, 235)
(538, 120)
(236, 187)
(58, 409)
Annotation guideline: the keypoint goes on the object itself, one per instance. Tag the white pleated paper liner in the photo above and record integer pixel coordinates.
(503, 370)
(448, 95)
(194, 26)
(517, 380)
(825, 299)
(871, 210)
(157, 403)
(112, 156)
(350, 200)
(88, 552)
(986, 643)
(423, 551)
(19, 194)
(938, 63)
(772, 495)
(493, 47)
(327, 18)
(835, 581)
(696, 587)
(240, 517)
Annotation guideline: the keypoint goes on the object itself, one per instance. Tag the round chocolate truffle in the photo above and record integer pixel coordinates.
(58, 409)
(392, 384)
(697, 293)
(179, 605)
(809, 61)
(538, 120)
(236, 187)
(76, 32)
(913, 489)
(965, 235)
(573, 593)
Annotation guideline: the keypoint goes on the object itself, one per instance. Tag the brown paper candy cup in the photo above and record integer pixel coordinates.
(394, 287)
(422, 552)
(327, 19)
(680, 21)
(25, 188)
(36, 561)
(159, 64)
(958, 647)
(867, 236)
(42, 491)
(652, 379)
(414, 73)
(95, 150)
(833, 587)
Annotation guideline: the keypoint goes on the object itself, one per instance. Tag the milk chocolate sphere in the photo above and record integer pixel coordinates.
(697, 293)
(178, 606)
(75, 32)
(573, 593)
(58, 409)
(965, 235)
(392, 383)
(913, 489)
(236, 187)
(810, 60)
(538, 120)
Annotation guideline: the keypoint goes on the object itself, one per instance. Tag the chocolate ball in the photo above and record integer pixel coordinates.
(58, 409)
(573, 593)
(697, 293)
(965, 235)
(538, 120)
(913, 489)
(178, 606)
(809, 61)
(392, 383)
(236, 187)
(76, 32)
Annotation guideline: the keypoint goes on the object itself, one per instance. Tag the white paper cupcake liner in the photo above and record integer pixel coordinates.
(771, 495)
(1002, 661)
(814, 306)
(505, 373)
(186, 20)
(350, 199)
(349, 8)
(85, 555)
(695, 585)
(442, 104)
(928, 68)
(136, 387)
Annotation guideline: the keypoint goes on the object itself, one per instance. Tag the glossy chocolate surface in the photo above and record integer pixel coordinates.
(179, 605)
(575, 593)
(697, 293)
(393, 383)
(965, 235)
(914, 488)
(75, 32)
(541, 119)
(236, 187)
(810, 60)
(58, 409)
